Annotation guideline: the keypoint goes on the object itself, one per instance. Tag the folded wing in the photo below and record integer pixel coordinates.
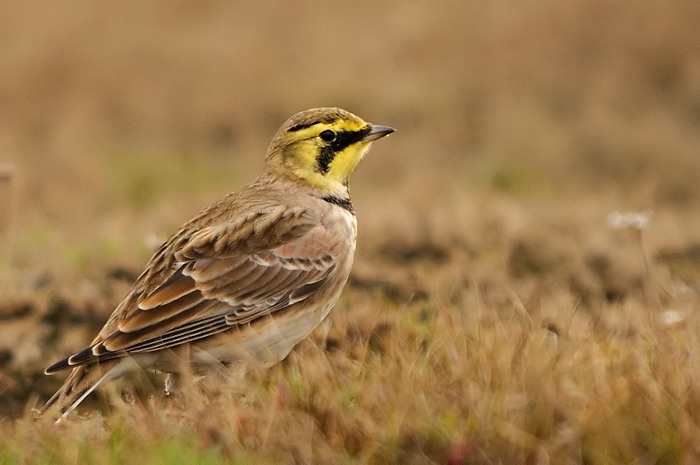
(205, 296)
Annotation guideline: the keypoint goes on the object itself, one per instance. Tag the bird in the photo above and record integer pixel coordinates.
(247, 278)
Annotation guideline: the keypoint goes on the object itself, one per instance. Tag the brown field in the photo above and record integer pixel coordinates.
(499, 310)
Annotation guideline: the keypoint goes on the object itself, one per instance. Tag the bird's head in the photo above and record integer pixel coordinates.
(321, 148)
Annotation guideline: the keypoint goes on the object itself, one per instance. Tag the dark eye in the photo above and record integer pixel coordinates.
(327, 135)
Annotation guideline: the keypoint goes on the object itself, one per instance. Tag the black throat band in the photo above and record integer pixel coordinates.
(342, 203)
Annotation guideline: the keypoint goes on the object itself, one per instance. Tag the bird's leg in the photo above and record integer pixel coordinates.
(172, 382)
(180, 381)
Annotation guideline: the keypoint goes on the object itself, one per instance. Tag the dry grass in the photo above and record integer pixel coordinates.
(493, 316)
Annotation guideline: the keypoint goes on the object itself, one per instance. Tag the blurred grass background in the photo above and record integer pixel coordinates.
(521, 126)
(120, 120)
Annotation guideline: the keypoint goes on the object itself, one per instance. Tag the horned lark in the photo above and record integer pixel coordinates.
(248, 277)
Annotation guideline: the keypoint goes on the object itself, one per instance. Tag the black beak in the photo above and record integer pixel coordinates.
(377, 131)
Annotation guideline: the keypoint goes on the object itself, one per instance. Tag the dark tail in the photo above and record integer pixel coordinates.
(82, 381)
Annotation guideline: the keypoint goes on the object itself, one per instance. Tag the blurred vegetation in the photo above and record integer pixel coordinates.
(493, 315)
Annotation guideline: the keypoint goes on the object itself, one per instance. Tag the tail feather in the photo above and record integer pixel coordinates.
(82, 381)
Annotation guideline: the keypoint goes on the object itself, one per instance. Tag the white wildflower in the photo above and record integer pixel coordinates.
(629, 220)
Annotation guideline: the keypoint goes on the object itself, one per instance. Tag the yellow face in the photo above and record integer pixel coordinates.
(323, 148)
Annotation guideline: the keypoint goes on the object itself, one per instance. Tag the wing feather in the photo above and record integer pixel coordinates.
(210, 268)
(122, 341)
(168, 311)
(209, 294)
(174, 289)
